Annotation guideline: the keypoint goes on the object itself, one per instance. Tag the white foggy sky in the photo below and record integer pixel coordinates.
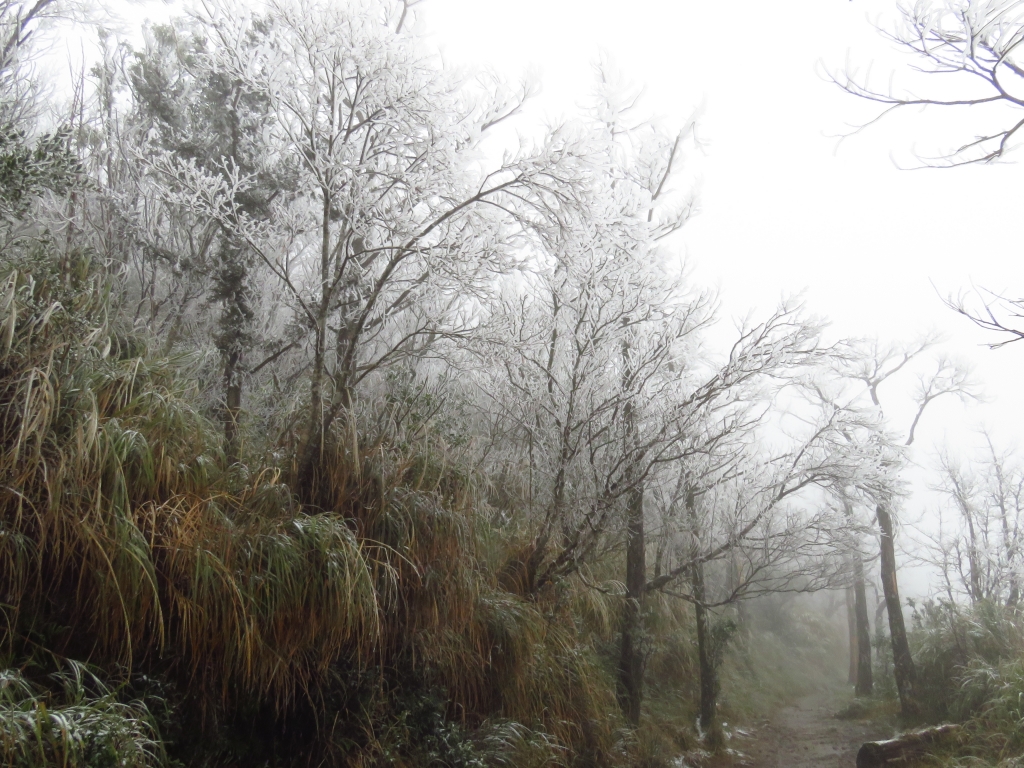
(783, 206)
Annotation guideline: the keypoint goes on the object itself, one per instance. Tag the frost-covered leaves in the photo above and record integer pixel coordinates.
(29, 169)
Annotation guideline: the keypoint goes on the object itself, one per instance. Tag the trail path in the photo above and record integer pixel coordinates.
(804, 734)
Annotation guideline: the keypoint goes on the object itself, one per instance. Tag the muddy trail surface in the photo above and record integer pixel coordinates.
(802, 735)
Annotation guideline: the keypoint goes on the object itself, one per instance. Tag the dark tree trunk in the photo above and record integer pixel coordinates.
(977, 593)
(232, 407)
(232, 336)
(312, 447)
(631, 657)
(864, 680)
(905, 748)
(706, 660)
(707, 663)
(903, 663)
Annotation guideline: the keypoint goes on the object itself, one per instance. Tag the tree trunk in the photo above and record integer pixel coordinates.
(232, 407)
(977, 594)
(706, 659)
(312, 451)
(851, 631)
(631, 657)
(903, 749)
(903, 663)
(707, 665)
(864, 679)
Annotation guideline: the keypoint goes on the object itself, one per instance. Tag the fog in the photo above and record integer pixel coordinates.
(793, 198)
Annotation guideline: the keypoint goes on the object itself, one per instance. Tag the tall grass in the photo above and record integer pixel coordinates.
(124, 543)
(118, 529)
(949, 640)
(971, 670)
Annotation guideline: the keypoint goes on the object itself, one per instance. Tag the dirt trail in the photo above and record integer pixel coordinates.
(804, 734)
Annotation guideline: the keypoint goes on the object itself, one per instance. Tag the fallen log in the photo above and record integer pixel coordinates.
(875, 754)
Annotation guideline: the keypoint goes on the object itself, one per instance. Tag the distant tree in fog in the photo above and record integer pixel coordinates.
(978, 546)
(871, 365)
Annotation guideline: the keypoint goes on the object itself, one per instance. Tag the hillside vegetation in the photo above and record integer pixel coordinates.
(339, 428)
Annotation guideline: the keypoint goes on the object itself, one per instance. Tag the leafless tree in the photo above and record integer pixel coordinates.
(999, 314)
(977, 547)
(872, 365)
(590, 353)
(761, 516)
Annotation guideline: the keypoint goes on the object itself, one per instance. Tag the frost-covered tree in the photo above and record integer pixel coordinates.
(601, 398)
(594, 329)
(977, 546)
(398, 223)
(593, 323)
(189, 111)
(871, 364)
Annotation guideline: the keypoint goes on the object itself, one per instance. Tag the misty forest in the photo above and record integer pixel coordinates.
(348, 420)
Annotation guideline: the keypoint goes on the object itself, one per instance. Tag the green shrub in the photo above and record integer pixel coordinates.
(77, 723)
(948, 641)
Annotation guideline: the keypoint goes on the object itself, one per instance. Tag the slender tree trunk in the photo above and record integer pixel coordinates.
(312, 448)
(851, 633)
(707, 665)
(972, 551)
(1014, 589)
(1009, 541)
(312, 451)
(632, 651)
(631, 657)
(706, 660)
(232, 406)
(903, 663)
(864, 680)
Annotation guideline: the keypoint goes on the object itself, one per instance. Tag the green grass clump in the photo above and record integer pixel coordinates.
(971, 670)
(76, 722)
(948, 640)
(990, 701)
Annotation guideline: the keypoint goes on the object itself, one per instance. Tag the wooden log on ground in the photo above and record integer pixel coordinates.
(875, 754)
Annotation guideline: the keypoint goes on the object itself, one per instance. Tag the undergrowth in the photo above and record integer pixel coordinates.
(971, 670)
